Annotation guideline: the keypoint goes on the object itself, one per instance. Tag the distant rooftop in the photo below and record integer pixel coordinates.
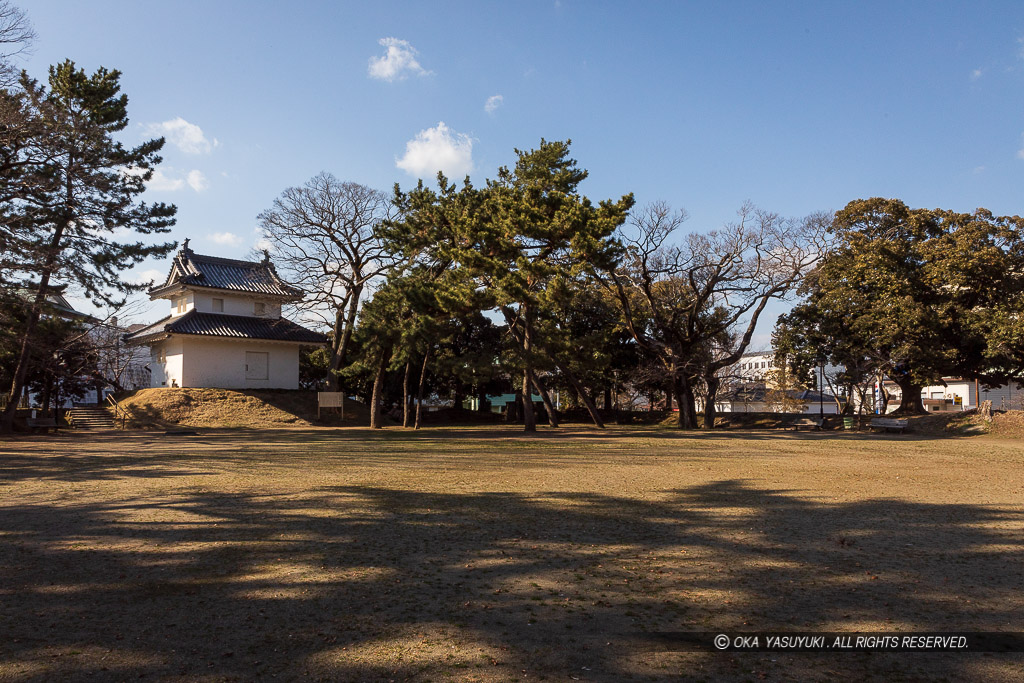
(55, 304)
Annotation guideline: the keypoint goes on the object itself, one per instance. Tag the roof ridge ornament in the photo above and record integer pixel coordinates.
(184, 247)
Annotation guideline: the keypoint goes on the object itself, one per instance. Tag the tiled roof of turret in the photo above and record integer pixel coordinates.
(219, 325)
(252, 277)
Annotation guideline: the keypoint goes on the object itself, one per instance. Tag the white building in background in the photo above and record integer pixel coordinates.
(957, 395)
(751, 375)
(754, 366)
(225, 329)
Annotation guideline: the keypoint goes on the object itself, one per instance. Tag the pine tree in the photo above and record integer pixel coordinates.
(506, 242)
(82, 184)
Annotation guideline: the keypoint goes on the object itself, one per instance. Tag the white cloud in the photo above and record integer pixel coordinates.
(226, 238)
(976, 74)
(493, 102)
(171, 181)
(399, 61)
(187, 137)
(264, 244)
(978, 170)
(161, 182)
(151, 275)
(196, 180)
(438, 149)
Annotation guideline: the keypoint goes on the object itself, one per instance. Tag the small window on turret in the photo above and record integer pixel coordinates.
(259, 308)
(218, 305)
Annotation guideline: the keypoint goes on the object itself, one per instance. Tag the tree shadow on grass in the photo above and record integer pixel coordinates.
(363, 583)
(108, 456)
(79, 457)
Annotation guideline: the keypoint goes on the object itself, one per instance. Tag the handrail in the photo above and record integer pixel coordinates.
(118, 410)
(22, 402)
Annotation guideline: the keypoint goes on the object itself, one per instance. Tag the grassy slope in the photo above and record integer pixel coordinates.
(163, 408)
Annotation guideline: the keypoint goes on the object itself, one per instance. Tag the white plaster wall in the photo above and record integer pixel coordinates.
(158, 371)
(235, 305)
(828, 405)
(163, 374)
(221, 363)
(190, 302)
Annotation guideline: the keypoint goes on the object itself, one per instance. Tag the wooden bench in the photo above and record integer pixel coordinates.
(814, 422)
(888, 423)
(44, 423)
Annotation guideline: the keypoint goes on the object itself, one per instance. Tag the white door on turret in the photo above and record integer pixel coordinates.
(257, 364)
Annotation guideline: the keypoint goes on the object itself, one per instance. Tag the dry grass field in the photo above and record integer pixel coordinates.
(482, 554)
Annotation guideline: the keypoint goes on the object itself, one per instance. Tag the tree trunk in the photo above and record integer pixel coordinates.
(548, 405)
(21, 368)
(910, 398)
(376, 416)
(334, 361)
(607, 398)
(862, 399)
(45, 399)
(712, 382)
(684, 399)
(405, 395)
(419, 388)
(668, 398)
(343, 334)
(529, 416)
(582, 393)
(514, 410)
(883, 395)
(847, 407)
(677, 388)
(691, 404)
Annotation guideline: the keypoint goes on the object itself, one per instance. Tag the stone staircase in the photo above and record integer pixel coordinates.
(90, 418)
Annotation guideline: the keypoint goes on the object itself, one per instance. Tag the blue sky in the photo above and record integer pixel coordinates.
(795, 106)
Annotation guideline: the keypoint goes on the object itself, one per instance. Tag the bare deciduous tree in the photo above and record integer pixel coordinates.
(16, 36)
(120, 365)
(323, 239)
(695, 304)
